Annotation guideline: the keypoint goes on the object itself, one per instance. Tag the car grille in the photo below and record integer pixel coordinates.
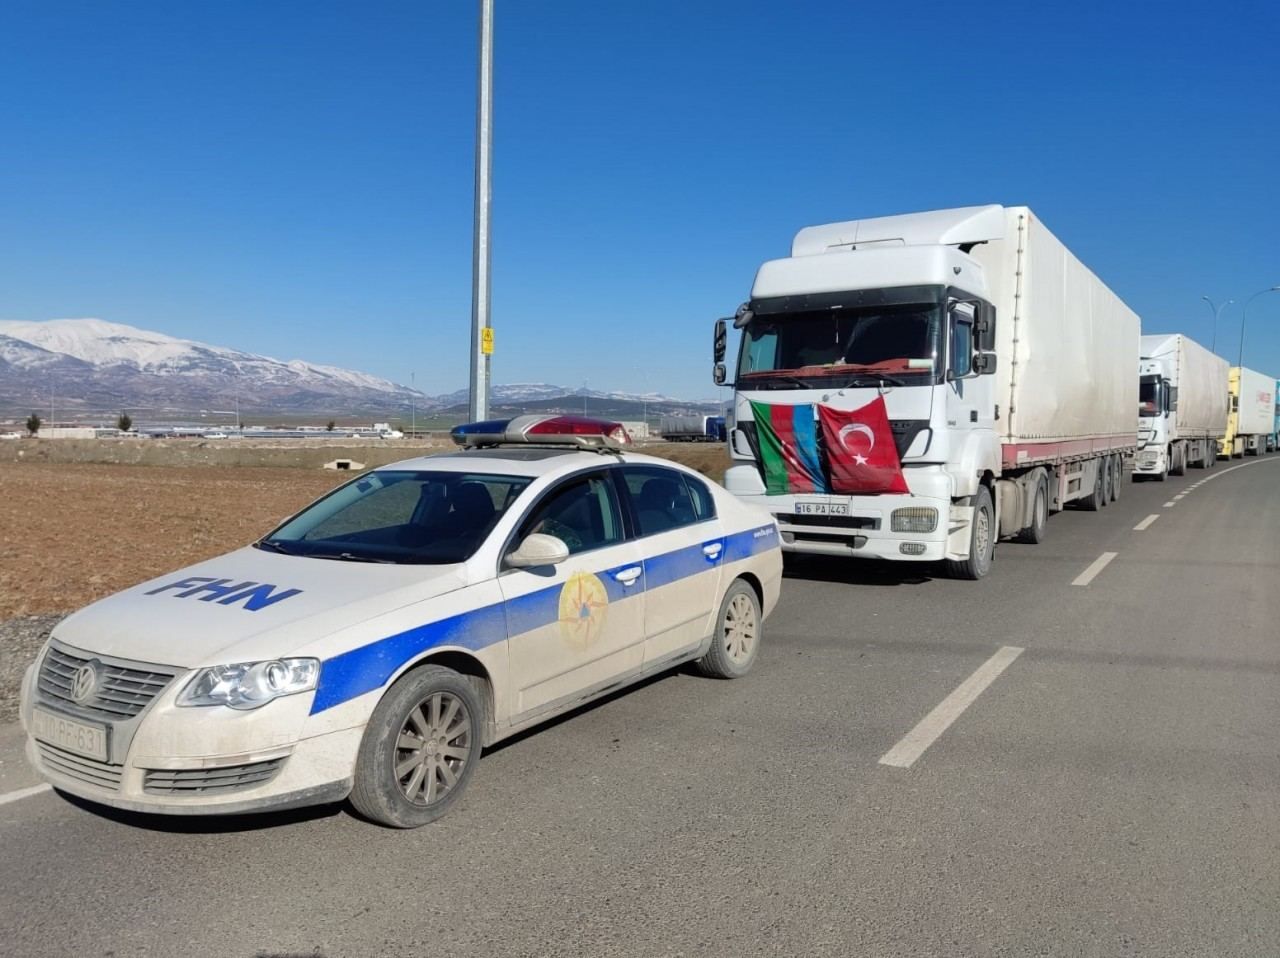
(209, 781)
(87, 770)
(123, 690)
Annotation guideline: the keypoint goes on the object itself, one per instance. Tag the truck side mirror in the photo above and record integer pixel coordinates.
(984, 363)
(719, 341)
(719, 374)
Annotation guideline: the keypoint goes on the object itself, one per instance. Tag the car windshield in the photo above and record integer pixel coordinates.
(400, 516)
(849, 344)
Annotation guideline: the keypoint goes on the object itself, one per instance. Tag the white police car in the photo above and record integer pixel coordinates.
(373, 644)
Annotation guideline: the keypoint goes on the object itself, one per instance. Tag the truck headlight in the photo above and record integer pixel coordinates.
(914, 519)
(250, 685)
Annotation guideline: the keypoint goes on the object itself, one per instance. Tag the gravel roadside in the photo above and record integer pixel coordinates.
(20, 640)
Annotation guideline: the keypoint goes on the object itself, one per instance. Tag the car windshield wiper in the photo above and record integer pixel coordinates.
(350, 557)
(274, 547)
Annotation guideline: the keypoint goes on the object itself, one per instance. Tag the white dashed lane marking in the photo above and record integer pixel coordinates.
(1098, 564)
(22, 793)
(1146, 523)
(914, 743)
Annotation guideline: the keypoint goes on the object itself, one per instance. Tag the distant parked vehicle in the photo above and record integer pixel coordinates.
(216, 435)
(10, 435)
(390, 434)
(692, 428)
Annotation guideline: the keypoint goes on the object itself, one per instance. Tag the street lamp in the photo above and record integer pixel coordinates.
(1217, 315)
(1244, 314)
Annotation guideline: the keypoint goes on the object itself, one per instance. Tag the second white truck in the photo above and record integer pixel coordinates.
(1182, 406)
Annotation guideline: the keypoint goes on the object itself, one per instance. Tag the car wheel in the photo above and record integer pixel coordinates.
(982, 541)
(736, 640)
(419, 749)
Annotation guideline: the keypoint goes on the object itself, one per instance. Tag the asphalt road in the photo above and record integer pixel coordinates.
(1115, 790)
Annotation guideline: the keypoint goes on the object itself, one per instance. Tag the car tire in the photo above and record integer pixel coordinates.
(982, 541)
(420, 748)
(1035, 532)
(736, 639)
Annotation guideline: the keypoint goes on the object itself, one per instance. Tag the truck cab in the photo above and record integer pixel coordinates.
(1157, 405)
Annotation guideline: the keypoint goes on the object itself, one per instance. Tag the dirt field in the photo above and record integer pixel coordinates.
(71, 533)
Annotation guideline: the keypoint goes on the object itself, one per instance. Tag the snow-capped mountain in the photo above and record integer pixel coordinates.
(90, 363)
(93, 366)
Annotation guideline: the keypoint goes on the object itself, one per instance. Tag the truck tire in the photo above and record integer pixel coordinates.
(1093, 501)
(1178, 461)
(439, 709)
(1117, 477)
(982, 540)
(1035, 532)
(1106, 482)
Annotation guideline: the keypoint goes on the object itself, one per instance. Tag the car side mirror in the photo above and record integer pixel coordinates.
(538, 549)
(984, 363)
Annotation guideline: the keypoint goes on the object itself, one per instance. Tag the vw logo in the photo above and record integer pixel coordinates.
(85, 682)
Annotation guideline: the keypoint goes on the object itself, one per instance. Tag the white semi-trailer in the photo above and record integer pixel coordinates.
(1005, 365)
(1182, 406)
(1252, 421)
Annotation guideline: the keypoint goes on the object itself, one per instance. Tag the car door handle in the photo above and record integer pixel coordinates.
(629, 575)
(712, 550)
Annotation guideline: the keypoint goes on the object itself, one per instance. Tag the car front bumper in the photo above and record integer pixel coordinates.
(197, 761)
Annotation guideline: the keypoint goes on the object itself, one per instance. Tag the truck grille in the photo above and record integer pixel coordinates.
(87, 770)
(209, 781)
(123, 689)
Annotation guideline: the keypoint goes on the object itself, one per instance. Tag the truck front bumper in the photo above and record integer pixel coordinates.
(866, 527)
(1150, 461)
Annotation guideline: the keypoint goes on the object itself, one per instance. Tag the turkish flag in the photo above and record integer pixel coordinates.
(860, 449)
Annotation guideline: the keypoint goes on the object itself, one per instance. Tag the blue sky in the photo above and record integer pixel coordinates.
(296, 178)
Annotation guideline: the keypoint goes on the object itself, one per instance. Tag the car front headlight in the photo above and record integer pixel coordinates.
(250, 685)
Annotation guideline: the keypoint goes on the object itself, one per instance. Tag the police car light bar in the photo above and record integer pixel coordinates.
(581, 431)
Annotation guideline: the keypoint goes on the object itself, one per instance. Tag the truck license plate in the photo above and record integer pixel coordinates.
(78, 737)
(822, 508)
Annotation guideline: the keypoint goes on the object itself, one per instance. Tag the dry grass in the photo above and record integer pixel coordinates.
(72, 533)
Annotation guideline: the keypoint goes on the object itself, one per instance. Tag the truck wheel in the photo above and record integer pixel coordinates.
(982, 540)
(1178, 458)
(1117, 477)
(736, 640)
(1035, 532)
(1106, 483)
(1093, 501)
(419, 749)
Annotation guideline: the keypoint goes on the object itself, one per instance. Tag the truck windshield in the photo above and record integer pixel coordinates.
(854, 345)
(1149, 396)
(400, 516)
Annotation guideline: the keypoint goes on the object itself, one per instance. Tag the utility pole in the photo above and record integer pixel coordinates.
(413, 404)
(481, 339)
(1217, 315)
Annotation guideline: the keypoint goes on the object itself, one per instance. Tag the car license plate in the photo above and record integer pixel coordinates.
(79, 737)
(822, 508)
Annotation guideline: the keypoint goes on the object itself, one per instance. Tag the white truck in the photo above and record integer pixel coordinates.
(1005, 365)
(1182, 406)
(1251, 426)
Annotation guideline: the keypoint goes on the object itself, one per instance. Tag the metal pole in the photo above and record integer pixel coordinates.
(1217, 317)
(413, 405)
(1245, 315)
(480, 247)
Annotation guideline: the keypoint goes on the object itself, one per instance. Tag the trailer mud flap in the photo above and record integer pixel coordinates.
(958, 522)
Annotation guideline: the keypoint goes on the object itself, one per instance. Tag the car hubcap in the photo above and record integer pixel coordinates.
(740, 628)
(433, 747)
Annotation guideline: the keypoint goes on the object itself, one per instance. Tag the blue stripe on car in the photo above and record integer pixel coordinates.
(353, 673)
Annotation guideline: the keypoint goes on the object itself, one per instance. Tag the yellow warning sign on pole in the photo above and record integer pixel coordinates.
(486, 340)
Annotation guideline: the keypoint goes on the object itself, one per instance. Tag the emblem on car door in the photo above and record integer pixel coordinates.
(583, 605)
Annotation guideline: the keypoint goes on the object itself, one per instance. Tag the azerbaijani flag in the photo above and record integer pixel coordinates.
(788, 438)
